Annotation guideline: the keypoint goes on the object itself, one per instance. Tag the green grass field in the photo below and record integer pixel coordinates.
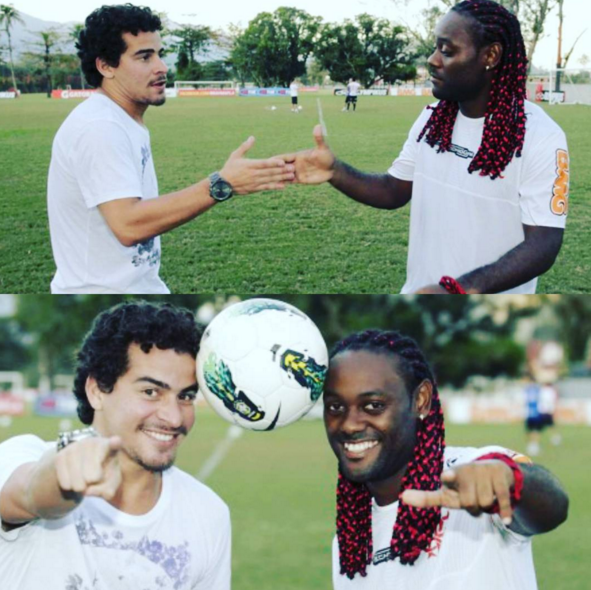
(302, 240)
(280, 489)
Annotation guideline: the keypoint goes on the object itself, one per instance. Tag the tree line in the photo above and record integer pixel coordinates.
(274, 49)
(463, 337)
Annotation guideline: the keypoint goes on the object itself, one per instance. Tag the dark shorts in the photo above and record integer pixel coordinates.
(547, 419)
(294, 100)
(351, 99)
(539, 423)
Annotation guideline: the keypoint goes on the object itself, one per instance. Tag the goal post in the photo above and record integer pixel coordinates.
(561, 86)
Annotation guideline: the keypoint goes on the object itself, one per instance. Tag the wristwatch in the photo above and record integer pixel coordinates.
(219, 189)
(67, 438)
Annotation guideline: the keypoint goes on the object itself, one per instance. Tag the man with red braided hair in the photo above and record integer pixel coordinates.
(410, 512)
(486, 171)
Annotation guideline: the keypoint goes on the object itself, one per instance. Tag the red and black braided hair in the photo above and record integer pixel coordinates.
(415, 527)
(504, 124)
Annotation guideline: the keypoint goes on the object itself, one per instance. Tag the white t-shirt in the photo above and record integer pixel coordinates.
(548, 399)
(183, 543)
(293, 89)
(100, 154)
(353, 88)
(466, 553)
(461, 221)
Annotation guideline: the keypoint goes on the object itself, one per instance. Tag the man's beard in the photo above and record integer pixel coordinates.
(154, 468)
(158, 102)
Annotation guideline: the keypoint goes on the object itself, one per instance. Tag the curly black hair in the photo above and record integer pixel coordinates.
(104, 351)
(102, 36)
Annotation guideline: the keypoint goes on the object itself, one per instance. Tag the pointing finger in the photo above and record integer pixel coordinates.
(421, 499)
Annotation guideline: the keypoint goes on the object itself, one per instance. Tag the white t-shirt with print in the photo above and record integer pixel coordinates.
(460, 221)
(100, 154)
(183, 543)
(466, 553)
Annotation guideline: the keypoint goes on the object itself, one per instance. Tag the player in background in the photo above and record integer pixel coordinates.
(547, 407)
(486, 172)
(293, 92)
(105, 211)
(533, 420)
(105, 508)
(411, 512)
(352, 94)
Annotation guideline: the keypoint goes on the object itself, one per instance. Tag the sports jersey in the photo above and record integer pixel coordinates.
(293, 89)
(466, 551)
(182, 543)
(100, 154)
(548, 399)
(353, 88)
(461, 221)
(532, 401)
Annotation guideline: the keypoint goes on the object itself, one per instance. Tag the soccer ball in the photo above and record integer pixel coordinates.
(262, 364)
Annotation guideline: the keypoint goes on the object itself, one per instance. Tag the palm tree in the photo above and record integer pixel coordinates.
(8, 16)
(47, 41)
(74, 35)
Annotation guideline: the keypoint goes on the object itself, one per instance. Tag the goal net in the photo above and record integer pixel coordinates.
(570, 86)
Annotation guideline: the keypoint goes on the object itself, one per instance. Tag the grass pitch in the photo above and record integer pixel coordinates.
(301, 240)
(280, 489)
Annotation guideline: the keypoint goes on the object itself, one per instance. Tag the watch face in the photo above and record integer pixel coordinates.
(221, 190)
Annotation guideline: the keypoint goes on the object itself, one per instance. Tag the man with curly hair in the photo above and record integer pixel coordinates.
(106, 509)
(104, 217)
(485, 171)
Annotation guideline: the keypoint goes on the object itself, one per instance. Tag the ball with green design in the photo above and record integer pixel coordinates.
(262, 364)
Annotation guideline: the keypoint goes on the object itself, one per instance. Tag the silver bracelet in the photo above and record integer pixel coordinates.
(67, 438)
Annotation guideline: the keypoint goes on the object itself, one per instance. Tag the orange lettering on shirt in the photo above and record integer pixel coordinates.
(559, 202)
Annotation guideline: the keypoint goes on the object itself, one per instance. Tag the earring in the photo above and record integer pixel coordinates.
(421, 416)
(487, 68)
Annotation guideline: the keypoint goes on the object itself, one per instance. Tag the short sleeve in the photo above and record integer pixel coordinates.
(103, 164)
(544, 188)
(17, 451)
(403, 166)
(218, 575)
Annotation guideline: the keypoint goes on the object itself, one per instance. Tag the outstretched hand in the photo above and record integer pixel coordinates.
(313, 166)
(250, 176)
(474, 487)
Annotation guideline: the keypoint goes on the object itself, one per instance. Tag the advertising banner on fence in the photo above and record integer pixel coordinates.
(72, 93)
(364, 92)
(410, 91)
(10, 405)
(56, 404)
(198, 92)
(7, 94)
(264, 92)
(273, 91)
